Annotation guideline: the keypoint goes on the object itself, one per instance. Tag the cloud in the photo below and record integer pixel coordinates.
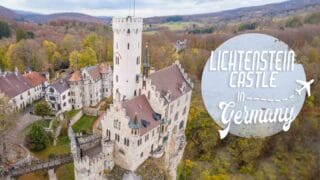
(144, 8)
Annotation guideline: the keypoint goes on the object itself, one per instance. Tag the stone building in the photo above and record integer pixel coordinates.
(90, 85)
(58, 96)
(22, 89)
(84, 88)
(150, 108)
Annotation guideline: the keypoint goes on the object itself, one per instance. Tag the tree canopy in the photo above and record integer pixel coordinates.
(37, 139)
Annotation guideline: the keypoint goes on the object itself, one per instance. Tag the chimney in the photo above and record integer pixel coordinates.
(16, 71)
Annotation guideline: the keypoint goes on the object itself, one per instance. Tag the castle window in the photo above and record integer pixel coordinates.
(181, 124)
(126, 141)
(122, 152)
(117, 59)
(166, 113)
(184, 110)
(116, 124)
(128, 46)
(141, 155)
(137, 78)
(116, 78)
(171, 109)
(51, 90)
(149, 95)
(176, 116)
(146, 137)
(138, 60)
(139, 142)
(128, 31)
(117, 137)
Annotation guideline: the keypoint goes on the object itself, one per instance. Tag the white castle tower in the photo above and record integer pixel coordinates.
(127, 42)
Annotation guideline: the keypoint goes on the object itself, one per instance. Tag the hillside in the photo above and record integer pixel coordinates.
(6, 13)
(272, 10)
(65, 16)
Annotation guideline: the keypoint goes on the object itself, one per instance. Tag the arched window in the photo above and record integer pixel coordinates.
(117, 59)
(51, 90)
(181, 124)
(176, 116)
(184, 110)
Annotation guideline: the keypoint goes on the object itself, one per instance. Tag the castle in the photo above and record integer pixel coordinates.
(84, 88)
(149, 111)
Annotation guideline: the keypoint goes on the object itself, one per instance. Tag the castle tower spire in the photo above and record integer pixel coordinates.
(127, 38)
(146, 64)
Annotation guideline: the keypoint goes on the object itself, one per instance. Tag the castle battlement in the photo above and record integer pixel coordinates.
(185, 75)
(122, 24)
(95, 164)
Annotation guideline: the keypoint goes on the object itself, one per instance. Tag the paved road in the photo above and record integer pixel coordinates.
(16, 135)
(24, 119)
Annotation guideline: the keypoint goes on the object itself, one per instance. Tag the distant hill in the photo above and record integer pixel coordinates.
(26, 14)
(64, 16)
(9, 14)
(271, 10)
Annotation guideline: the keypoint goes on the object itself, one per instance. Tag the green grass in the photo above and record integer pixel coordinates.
(175, 26)
(62, 147)
(70, 114)
(84, 124)
(65, 172)
(42, 122)
(55, 124)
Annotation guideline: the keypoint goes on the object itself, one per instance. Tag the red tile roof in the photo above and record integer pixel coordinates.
(76, 76)
(104, 68)
(12, 84)
(34, 78)
(140, 107)
(169, 78)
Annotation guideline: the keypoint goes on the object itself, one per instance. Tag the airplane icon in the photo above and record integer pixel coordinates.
(306, 86)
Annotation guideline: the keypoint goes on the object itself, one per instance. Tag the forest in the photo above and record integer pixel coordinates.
(60, 45)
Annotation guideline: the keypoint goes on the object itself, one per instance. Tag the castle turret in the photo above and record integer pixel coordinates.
(146, 66)
(127, 40)
(107, 147)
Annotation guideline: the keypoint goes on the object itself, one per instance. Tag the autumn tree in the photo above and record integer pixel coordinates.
(4, 30)
(20, 34)
(294, 22)
(73, 59)
(36, 138)
(87, 57)
(42, 109)
(99, 44)
(67, 45)
(3, 60)
(50, 48)
(7, 119)
(26, 53)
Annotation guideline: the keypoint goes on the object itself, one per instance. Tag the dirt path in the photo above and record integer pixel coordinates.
(15, 134)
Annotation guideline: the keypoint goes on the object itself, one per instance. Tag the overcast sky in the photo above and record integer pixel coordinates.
(144, 8)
